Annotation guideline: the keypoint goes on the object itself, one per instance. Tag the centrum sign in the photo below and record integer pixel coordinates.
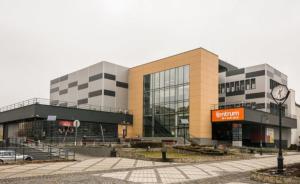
(233, 114)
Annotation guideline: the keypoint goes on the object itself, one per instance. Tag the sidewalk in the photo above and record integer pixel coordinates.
(95, 164)
(197, 172)
(130, 170)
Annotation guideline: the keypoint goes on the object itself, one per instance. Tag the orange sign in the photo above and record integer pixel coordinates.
(234, 114)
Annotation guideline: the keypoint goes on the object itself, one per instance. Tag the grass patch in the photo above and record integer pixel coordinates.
(170, 154)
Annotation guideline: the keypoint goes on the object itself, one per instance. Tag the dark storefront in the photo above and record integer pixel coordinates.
(247, 127)
(32, 122)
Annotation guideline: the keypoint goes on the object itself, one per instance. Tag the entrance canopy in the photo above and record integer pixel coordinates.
(242, 114)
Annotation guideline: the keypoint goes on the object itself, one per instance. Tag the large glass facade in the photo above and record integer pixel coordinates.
(166, 103)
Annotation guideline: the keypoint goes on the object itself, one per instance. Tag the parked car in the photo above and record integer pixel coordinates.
(11, 155)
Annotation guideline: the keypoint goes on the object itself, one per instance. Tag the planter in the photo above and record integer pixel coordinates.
(268, 176)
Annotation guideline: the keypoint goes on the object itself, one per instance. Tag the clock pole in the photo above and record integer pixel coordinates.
(280, 157)
(280, 94)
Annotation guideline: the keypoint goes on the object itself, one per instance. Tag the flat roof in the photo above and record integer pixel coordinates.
(41, 111)
(157, 60)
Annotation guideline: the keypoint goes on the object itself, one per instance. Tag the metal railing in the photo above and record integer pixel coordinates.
(43, 101)
(81, 141)
(37, 150)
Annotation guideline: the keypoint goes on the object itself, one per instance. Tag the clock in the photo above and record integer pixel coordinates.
(280, 92)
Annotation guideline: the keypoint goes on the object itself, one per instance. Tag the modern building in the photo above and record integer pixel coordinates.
(103, 85)
(250, 86)
(172, 96)
(296, 132)
(193, 94)
(40, 119)
(250, 89)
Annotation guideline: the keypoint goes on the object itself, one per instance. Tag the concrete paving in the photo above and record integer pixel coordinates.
(122, 170)
(95, 164)
(197, 172)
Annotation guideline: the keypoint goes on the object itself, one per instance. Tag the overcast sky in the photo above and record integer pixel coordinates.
(44, 39)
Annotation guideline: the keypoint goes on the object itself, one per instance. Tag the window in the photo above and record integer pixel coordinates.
(253, 83)
(232, 87)
(161, 79)
(242, 84)
(180, 75)
(156, 99)
(186, 72)
(186, 92)
(222, 88)
(166, 94)
(161, 96)
(123, 84)
(147, 82)
(167, 78)
(109, 93)
(247, 84)
(62, 92)
(82, 101)
(54, 90)
(172, 95)
(172, 77)
(109, 76)
(95, 77)
(156, 80)
(95, 93)
(83, 86)
(73, 84)
(237, 86)
(180, 93)
(227, 88)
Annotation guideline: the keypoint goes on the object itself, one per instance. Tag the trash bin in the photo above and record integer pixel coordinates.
(164, 154)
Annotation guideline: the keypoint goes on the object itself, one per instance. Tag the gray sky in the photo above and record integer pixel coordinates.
(44, 39)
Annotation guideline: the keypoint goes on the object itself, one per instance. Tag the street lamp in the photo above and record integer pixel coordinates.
(280, 94)
(263, 117)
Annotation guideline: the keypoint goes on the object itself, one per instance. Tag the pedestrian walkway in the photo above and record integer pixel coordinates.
(98, 164)
(177, 173)
(139, 171)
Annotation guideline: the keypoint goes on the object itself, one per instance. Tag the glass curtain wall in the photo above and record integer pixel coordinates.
(166, 103)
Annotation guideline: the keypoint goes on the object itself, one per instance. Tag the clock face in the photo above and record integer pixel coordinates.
(280, 92)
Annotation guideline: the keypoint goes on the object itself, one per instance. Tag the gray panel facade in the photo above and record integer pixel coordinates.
(104, 85)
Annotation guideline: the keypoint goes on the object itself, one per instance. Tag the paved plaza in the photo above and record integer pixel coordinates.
(98, 164)
(192, 172)
(121, 170)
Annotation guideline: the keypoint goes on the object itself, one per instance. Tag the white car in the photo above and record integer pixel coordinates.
(10, 155)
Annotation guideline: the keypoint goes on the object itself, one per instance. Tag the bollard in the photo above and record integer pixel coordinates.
(113, 152)
(164, 154)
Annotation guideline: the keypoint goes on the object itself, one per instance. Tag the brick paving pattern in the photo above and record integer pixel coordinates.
(122, 170)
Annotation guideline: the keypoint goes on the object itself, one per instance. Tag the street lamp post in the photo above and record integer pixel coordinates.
(263, 117)
(280, 94)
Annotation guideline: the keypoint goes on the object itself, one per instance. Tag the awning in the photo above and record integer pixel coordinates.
(242, 114)
(63, 113)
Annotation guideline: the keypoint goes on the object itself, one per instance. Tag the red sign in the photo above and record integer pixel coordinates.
(66, 123)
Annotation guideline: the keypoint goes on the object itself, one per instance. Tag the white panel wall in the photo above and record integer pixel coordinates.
(120, 101)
